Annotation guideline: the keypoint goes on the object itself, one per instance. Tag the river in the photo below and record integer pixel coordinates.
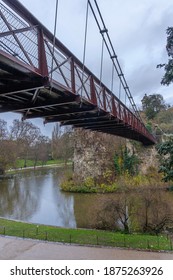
(35, 196)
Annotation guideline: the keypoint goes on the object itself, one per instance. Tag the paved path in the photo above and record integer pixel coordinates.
(12, 248)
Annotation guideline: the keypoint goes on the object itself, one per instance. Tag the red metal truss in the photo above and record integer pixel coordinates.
(68, 92)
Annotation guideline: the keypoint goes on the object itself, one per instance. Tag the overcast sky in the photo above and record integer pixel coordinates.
(137, 30)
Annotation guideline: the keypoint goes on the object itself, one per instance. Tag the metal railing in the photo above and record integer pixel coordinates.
(24, 38)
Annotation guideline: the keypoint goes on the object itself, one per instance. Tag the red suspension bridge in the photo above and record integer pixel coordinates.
(40, 77)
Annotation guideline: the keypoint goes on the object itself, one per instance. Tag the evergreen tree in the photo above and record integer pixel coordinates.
(166, 151)
(152, 104)
(126, 162)
(168, 67)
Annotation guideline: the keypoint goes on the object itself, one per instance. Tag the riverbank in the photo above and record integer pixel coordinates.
(32, 167)
(84, 236)
(109, 183)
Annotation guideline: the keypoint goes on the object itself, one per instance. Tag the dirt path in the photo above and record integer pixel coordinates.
(24, 249)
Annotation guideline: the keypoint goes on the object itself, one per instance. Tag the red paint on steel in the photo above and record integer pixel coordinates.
(42, 61)
(94, 92)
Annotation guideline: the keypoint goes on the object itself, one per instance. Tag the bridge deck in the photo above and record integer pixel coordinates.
(67, 92)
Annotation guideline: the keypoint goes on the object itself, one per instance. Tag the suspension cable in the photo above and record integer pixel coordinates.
(54, 38)
(114, 57)
(125, 99)
(119, 97)
(84, 47)
(101, 63)
(119, 91)
(112, 80)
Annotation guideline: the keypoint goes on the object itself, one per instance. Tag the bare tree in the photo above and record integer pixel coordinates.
(3, 130)
(25, 134)
(118, 212)
(155, 214)
(62, 143)
(41, 149)
(7, 148)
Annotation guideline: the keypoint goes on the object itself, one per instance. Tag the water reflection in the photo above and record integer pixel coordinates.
(140, 210)
(17, 200)
(35, 197)
(87, 208)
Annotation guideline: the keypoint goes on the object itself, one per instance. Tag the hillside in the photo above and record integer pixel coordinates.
(161, 124)
(164, 121)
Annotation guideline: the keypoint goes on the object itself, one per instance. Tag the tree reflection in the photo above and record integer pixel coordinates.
(36, 197)
(64, 205)
(19, 197)
(143, 210)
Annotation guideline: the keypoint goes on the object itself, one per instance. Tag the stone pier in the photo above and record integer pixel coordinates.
(93, 153)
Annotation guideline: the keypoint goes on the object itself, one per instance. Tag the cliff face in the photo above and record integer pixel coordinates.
(89, 154)
(94, 153)
(149, 159)
(148, 156)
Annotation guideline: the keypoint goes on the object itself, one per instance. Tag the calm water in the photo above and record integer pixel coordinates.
(36, 197)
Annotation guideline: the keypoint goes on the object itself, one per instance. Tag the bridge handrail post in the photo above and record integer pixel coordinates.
(73, 86)
(114, 109)
(92, 91)
(42, 60)
(104, 98)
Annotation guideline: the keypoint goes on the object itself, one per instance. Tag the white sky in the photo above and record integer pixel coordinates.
(137, 30)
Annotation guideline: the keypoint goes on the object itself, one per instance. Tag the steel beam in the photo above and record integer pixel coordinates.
(36, 75)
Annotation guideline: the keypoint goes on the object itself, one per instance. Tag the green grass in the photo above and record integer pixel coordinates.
(84, 236)
(29, 163)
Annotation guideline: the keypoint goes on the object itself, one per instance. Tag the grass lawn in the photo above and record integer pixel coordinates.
(84, 236)
(29, 163)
